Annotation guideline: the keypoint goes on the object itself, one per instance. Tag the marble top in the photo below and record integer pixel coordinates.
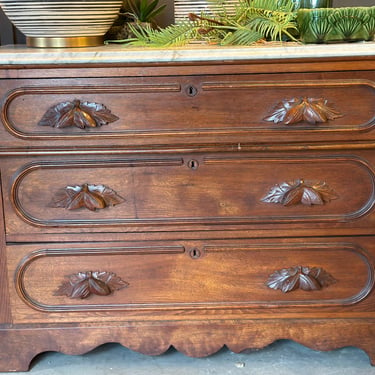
(114, 53)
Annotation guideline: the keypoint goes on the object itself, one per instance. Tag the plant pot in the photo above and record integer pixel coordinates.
(62, 23)
(315, 25)
(314, 3)
(332, 25)
(122, 30)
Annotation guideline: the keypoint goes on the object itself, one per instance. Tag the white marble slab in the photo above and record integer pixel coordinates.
(18, 55)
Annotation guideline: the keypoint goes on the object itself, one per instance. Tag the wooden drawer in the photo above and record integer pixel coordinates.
(131, 112)
(190, 192)
(240, 277)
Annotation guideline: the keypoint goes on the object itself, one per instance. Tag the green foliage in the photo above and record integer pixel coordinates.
(171, 36)
(242, 36)
(252, 21)
(142, 10)
(270, 22)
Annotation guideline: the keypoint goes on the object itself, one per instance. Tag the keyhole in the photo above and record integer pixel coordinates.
(195, 253)
(191, 90)
(193, 164)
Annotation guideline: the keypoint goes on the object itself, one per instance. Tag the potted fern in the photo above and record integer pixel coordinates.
(253, 21)
(138, 13)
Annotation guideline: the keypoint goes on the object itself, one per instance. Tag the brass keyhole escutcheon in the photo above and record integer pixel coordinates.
(191, 91)
(195, 253)
(193, 164)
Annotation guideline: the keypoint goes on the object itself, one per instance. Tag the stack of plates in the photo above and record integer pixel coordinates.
(182, 8)
(62, 20)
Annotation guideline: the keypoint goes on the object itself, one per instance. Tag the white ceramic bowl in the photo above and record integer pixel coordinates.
(62, 23)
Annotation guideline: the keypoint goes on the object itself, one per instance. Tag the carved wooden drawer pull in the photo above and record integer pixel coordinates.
(305, 278)
(311, 110)
(79, 114)
(300, 191)
(92, 197)
(83, 284)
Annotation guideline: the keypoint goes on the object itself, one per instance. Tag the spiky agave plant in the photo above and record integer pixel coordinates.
(143, 11)
(253, 20)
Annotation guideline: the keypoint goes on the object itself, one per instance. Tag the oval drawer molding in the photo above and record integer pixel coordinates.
(58, 111)
(311, 110)
(158, 276)
(164, 191)
(79, 114)
(305, 278)
(142, 122)
(84, 284)
(92, 197)
(300, 191)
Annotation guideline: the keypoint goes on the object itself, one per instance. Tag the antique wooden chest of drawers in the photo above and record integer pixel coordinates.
(190, 198)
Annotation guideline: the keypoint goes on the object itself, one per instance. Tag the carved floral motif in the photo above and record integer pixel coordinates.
(305, 278)
(77, 113)
(83, 284)
(92, 197)
(300, 191)
(311, 110)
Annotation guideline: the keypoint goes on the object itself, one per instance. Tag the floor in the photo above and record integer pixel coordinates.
(281, 358)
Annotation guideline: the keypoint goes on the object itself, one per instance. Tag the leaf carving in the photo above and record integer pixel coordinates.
(83, 284)
(92, 197)
(300, 191)
(77, 113)
(311, 110)
(305, 278)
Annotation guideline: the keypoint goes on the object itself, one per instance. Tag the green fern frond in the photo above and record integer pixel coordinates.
(272, 24)
(287, 6)
(171, 36)
(270, 18)
(253, 20)
(242, 36)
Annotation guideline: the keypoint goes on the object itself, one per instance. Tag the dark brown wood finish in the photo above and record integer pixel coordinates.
(310, 191)
(5, 309)
(247, 102)
(196, 204)
(193, 338)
